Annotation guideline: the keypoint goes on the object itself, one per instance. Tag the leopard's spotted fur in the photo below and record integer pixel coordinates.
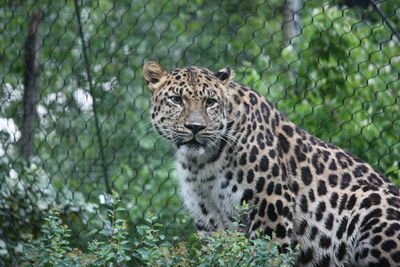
(234, 146)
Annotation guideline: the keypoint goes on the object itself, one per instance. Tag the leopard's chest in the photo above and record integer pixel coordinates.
(208, 193)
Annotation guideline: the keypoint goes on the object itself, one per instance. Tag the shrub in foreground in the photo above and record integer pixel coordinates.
(227, 248)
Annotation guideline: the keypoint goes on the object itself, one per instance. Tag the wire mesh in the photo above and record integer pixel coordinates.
(332, 67)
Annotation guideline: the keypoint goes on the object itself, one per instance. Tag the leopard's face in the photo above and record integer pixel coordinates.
(189, 106)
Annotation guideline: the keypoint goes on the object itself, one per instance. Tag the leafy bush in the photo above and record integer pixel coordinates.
(53, 247)
(26, 195)
(226, 248)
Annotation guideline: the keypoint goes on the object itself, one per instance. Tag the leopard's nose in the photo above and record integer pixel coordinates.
(195, 128)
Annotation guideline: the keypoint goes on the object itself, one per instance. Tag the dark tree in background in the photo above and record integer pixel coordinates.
(31, 90)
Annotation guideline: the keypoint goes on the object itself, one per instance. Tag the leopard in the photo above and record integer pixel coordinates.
(232, 146)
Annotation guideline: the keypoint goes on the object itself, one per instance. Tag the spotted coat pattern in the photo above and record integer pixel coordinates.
(232, 146)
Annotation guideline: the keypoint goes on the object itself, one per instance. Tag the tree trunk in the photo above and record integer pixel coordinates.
(291, 25)
(31, 90)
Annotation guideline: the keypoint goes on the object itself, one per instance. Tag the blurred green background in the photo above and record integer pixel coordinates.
(332, 67)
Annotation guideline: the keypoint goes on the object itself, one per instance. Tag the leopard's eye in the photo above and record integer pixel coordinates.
(176, 100)
(210, 102)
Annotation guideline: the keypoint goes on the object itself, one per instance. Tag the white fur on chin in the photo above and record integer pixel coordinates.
(191, 151)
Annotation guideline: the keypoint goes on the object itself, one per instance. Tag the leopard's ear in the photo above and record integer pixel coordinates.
(225, 75)
(153, 73)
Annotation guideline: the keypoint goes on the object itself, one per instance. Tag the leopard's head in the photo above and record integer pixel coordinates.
(189, 106)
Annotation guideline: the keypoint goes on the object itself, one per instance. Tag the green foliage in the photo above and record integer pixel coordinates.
(54, 249)
(347, 86)
(150, 247)
(26, 195)
(51, 248)
(225, 248)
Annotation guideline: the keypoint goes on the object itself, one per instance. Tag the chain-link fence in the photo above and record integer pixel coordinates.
(74, 121)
